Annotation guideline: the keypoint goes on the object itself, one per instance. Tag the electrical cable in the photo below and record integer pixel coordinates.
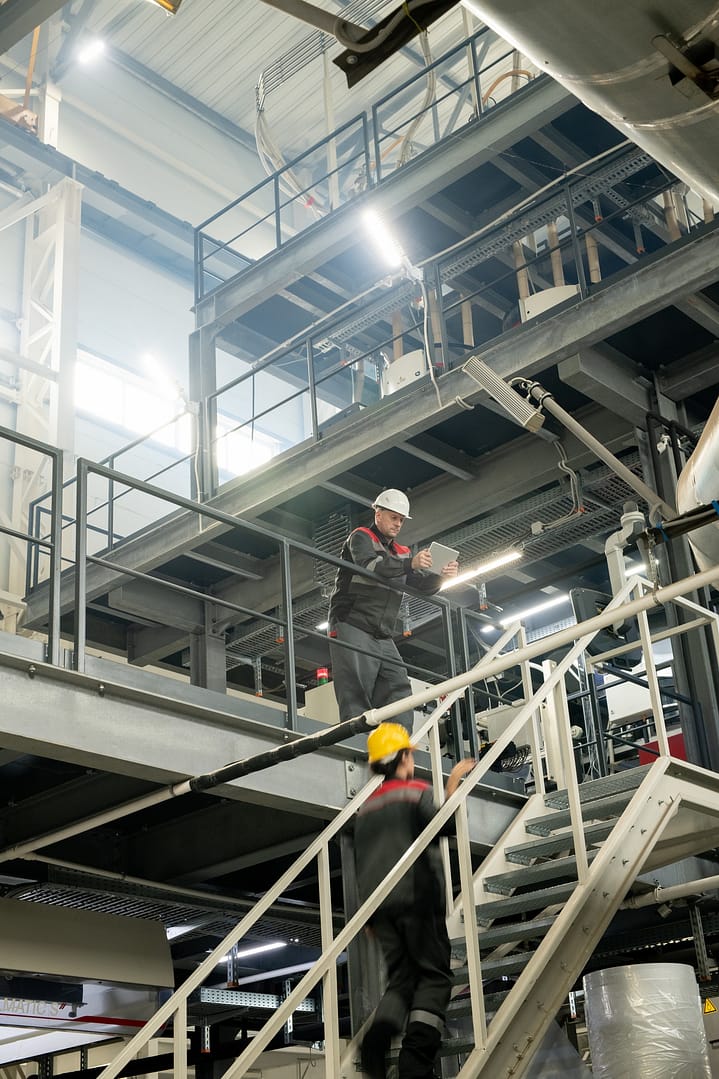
(368, 46)
(425, 333)
(429, 97)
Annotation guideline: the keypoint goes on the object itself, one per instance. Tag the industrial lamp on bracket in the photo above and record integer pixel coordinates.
(516, 407)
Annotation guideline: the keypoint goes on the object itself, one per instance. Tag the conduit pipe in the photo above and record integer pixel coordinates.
(674, 891)
(374, 716)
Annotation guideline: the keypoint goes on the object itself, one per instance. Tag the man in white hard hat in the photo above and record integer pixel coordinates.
(363, 613)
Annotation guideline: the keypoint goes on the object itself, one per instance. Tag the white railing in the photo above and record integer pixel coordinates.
(634, 600)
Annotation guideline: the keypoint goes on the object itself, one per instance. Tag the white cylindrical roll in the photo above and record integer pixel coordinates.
(646, 1020)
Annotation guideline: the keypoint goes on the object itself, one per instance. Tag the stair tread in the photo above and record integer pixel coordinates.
(514, 904)
(493, 968)
(600, 808)
(552, 869)
(504, 934)
(522, 853)
(627, 779)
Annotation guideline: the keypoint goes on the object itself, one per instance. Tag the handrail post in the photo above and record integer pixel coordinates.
(535, 734)
(53, 640)
(329, 981)
(290, 679)
(80, 567)
(313, 390)
(469, 698)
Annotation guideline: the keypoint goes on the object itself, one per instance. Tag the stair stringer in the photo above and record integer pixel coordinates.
(517, 1029)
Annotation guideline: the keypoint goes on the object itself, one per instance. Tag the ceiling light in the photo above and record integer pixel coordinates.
(520, 616)
(516, 407)
(255, 950)
(382, 238)
(484, 568)
(636, 567)
(91, 50)
(322, 625)
(170, 6)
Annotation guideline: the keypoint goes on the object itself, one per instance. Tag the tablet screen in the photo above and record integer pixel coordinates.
(441, 556)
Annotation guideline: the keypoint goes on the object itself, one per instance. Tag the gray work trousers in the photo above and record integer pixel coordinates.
(367, 681)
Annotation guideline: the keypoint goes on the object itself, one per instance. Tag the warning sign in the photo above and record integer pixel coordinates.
(709, 1007)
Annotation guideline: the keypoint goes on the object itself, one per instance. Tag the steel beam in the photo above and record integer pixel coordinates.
(606, 376)
(18, 18)
(148, 727)
(695, 373)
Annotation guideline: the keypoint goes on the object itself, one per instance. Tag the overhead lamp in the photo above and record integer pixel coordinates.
(170, 6)
(255, 950)
(538, 608)
(90, 51)
(322, 625)
(516, 407)
(480, 571)
(383, 240)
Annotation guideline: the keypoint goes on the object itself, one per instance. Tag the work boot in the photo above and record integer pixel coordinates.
(419, 1049)
(375, 1044)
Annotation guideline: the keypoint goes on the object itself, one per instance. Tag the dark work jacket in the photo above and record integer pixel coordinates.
(387, 824)
(370, 605)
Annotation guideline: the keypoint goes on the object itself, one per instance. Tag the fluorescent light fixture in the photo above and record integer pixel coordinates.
(547, 605)
(322, 625)
(488, 629)
(90, 50)
(516, 407)
(636, 567)
(484, 568)
(383, 240)
(255, 950)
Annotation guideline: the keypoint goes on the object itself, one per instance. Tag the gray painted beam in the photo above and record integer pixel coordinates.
(455, 157)
(697, 372)
(427, 448)
(701, 310)
(141, 725)
(18, 18)
(609, 378)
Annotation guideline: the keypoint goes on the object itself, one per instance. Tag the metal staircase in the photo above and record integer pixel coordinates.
(547, 925)
(542, 898)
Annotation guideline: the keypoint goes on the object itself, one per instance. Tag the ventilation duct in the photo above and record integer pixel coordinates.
(648, 67)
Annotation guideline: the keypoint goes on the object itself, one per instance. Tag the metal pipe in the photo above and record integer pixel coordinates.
(653, 500)
(674, 891)
(562, 637)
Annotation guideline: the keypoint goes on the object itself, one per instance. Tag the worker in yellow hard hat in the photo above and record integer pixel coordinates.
(410, 924)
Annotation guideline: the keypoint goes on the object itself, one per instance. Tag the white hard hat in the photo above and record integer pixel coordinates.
(393, 500)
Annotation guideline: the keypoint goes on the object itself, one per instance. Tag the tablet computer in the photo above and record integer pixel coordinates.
(441, 556)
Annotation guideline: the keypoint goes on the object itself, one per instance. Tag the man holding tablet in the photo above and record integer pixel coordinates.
(363, 613)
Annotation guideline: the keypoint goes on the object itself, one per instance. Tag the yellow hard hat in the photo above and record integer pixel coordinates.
(386, 740)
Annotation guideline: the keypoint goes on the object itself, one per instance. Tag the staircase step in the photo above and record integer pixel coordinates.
(526, 853)
(515, 904)
(461, 1006)
(601, 809)
(627, 779)
(555, 869)
(496, 968)
(504, 934)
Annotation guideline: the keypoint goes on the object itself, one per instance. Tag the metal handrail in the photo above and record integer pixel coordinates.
(54, 542)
